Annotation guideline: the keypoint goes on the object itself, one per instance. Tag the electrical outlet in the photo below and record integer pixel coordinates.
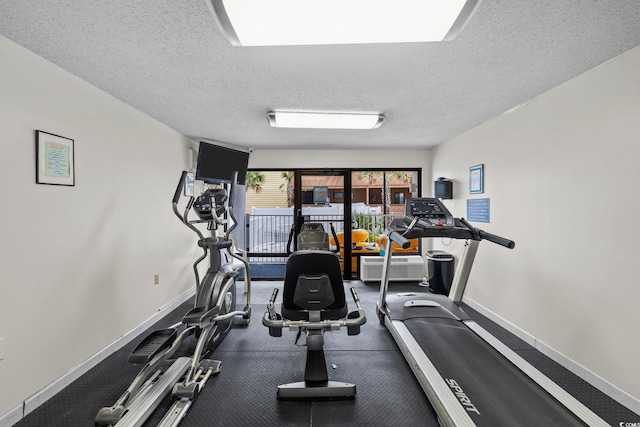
(156, 279)
(1, 348)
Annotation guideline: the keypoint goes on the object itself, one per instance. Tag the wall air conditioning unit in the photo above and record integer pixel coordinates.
(409, 268)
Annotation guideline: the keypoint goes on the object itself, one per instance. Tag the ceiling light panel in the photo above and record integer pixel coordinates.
(309, 120)
(312, 22)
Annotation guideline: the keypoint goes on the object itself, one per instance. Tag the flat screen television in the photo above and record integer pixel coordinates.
(216, 164)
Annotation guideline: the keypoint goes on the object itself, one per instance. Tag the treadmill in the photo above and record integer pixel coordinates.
(470, 378)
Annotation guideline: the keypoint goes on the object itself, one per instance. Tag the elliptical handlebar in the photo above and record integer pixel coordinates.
(232, 188)
(231, 241)
(230, 202)
(176, 195)
(215, 243)
(176, 198)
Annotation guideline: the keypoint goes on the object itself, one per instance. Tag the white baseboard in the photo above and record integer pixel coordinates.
(13, 416)
(524, 336)
(41, 396)
(598, 382)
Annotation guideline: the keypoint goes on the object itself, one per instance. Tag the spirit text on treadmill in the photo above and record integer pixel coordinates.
(462, 397)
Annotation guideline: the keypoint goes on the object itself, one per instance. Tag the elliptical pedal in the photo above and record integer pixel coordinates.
(200, 316)
(153, 344)
(186, 395)
(244, 319)
(143, 405)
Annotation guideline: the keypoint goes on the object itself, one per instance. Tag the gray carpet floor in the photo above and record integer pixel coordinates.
(254, 364)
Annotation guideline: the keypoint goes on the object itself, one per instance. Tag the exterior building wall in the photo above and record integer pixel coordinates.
(271, 195)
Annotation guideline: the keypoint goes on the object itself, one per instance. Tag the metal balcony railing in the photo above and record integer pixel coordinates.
(267, 236)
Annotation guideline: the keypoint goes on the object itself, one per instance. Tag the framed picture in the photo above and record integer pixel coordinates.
(476, 179)
(54, 159)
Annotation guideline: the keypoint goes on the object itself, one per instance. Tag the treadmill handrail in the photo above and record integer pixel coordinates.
(412, 228)
(399, 239)
(483, 235)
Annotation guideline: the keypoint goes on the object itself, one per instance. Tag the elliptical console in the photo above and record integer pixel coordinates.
(204, 203)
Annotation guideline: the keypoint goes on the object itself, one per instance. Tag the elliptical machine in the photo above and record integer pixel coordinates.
(206, 324)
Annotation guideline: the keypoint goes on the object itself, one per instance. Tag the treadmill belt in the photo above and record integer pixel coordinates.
(492, 390)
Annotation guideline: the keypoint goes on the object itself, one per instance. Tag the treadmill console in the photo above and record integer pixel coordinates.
(429, 210)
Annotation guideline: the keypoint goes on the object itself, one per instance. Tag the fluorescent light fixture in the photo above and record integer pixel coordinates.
(312, 22)
(309, 120)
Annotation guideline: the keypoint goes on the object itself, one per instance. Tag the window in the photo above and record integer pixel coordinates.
(398, 198)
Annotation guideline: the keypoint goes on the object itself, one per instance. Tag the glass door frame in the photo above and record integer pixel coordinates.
(297, 208)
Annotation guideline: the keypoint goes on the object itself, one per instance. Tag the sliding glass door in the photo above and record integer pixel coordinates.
(359, 201)
(319, 196)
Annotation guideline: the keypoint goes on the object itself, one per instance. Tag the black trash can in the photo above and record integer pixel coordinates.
(440, 270)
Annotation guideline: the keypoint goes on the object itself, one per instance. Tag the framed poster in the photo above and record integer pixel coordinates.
(478, 210)
(54, 159)
(476, 179)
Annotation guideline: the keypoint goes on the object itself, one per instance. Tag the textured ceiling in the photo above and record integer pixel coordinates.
(168, 59)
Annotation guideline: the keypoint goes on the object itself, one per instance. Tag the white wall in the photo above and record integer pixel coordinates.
(562, 175)
(78, 263)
